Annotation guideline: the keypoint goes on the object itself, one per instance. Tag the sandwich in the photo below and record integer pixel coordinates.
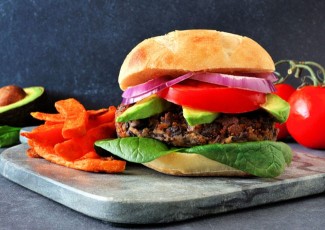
(200, 103)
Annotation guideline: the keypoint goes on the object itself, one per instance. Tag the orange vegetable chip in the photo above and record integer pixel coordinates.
(46, 134)
(55, 118)
(67, 138)
(107, 165)
(75, 117)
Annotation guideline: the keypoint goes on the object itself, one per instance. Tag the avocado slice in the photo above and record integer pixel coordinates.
(18, 113)
(144, 108)
(196, 117)
(277, 107)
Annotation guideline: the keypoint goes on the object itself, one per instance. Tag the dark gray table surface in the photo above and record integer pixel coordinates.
(21, 208)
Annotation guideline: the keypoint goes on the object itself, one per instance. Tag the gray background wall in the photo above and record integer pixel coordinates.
(75, 48)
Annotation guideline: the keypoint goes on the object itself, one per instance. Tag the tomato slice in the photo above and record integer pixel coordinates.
(214, 98)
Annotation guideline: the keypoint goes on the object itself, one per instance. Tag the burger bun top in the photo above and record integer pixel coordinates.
(179, 52)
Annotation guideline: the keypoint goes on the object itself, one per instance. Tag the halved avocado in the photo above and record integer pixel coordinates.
(18, 114)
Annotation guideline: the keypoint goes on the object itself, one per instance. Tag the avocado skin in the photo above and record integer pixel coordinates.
(20, 116)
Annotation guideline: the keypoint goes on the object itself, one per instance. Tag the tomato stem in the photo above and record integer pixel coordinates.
(297, 67)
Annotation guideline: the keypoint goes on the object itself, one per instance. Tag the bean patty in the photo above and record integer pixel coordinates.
(171, 127)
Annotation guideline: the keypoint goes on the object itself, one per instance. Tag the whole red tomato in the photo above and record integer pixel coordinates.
(306, 122)
(284, 91)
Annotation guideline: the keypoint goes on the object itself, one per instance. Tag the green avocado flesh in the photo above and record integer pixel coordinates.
(145, 108)
(277, 107)
(196, 117)
(18, 113)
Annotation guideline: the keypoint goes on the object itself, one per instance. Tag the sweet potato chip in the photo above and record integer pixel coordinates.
(108, 116)
(46, 134)
(75, 117)
(76, 148)
(90, 155)
(55, 118)
(31, 153)
(95, 113)
(107, 165)
(69, 150)
(67, 138)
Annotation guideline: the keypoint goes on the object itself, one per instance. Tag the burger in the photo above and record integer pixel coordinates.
(200, 103)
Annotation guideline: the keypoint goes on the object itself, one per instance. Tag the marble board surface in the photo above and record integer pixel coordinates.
(143, 196)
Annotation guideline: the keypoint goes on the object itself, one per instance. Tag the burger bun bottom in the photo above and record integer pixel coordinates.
(184, 164)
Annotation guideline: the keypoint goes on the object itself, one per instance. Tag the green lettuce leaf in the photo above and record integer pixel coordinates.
(261, 158)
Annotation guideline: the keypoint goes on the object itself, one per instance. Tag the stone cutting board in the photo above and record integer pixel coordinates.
(143, 196)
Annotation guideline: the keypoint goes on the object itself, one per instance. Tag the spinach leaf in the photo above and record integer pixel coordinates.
(260, 158)
(134, 149)
(9, 136)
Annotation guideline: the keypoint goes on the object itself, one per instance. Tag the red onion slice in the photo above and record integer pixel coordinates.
(259, 84)
(131, 100)
(241, 82)
(154, 85)
(270, 76)
(138, 92)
